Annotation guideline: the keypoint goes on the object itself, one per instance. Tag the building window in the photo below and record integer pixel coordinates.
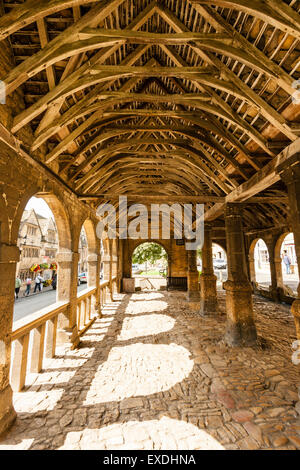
(32, 230)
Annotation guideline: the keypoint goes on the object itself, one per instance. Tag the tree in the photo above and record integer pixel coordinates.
(151, 252)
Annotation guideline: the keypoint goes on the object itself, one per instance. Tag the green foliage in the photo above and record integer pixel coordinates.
(151, 252)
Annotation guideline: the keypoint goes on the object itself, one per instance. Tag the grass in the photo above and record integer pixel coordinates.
(151, 272)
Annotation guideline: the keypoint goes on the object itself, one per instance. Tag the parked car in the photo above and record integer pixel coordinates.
(220, 263)
(136, 269)
(82, 278)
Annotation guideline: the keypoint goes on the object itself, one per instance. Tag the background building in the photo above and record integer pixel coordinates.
(38, 242)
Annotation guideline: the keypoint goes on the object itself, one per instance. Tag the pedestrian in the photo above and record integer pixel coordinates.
(54, 280)
(42, 282)
(17, 287)
(287, 261)
(28, 286)
(38, 281)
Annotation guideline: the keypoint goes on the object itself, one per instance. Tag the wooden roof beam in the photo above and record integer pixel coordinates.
(274, 12)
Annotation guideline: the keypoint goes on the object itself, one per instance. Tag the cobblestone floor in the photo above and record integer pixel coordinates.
(152, 375)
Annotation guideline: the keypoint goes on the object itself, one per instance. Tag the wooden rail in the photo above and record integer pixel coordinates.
(34, 338)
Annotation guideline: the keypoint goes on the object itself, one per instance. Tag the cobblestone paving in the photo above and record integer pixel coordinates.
(150, 374)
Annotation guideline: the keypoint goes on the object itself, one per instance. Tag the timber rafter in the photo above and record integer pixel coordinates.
(169, 95)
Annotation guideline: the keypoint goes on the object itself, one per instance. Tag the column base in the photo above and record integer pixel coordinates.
(7, 411)
(193, 296)
(295, 309)
(275, 293)
(240, 326)
(193, 300)
(209, 307)
(209, 300)
(68, 337)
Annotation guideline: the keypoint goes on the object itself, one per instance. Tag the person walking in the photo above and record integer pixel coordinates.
(17, 287)
(28, 286)
(287, 262)
(38, 281)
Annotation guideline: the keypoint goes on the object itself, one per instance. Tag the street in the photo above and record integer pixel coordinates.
(26, 305)
(263, 278)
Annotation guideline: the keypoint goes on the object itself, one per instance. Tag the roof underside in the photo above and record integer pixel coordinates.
(164, 98)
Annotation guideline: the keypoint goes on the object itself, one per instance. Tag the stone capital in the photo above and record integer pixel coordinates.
(233, 209)
(237, 286)
(92, 258)
(66, 257)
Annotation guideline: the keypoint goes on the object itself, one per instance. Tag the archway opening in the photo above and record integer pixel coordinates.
(43, 232)
(219, 262)
(150, 266)
(289, 267)
(261, 271)
(83, 260)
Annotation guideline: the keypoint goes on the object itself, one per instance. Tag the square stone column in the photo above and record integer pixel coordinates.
(240, 327)
(9, 256)
(67, 282)
(208, 281)
(193, 295)
(94, 263)
(291, 177)
(275, 269)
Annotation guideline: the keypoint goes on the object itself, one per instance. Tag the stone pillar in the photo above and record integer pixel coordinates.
(110, 270)
(240, 328)
(291, 177)
(106, 266)
(275, 282)
(251, 267)
(120, 265)
(93, 262)
(193, 295)
(67, 282)
(208, 281)
(9, 256)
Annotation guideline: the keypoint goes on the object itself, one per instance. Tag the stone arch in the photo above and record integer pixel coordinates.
(92, 250)
(252, 259)
(61, 217)
(220, 246)
(64, 230)
(139, 243)
(4, 222)
(91, 236)
(281, 278)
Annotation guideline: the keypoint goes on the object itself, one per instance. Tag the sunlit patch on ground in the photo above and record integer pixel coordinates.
(166, 434)
(139, 369)
(141, 296)
(134, 308)
(148, 392)
(145, 325)
(23, 445)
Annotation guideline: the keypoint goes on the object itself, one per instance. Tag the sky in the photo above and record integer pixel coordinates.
(40, 206)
